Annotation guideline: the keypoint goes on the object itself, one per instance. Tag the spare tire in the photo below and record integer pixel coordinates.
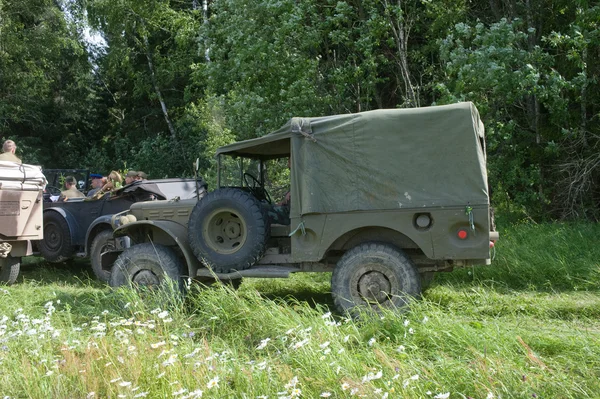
(56, 245)
(228, 230)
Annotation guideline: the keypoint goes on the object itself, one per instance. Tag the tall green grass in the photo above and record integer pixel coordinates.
(526, 326)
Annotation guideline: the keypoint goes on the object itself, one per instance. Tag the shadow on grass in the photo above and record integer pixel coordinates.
(76, 272)
(312, 289)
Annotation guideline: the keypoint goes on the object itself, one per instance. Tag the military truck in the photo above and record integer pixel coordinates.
(382, 199)
(21, 197)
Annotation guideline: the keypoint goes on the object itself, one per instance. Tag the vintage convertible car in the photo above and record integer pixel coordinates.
(80, 227)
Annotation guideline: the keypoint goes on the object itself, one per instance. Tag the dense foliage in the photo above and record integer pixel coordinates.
(174, 79)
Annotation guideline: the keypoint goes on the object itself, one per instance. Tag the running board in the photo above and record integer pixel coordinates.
(271, 271)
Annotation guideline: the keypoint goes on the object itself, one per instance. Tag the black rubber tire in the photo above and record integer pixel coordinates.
(228, 230)
(374, 267)
(147, 265)
(102, 242)
(56, 245)
(9, 269)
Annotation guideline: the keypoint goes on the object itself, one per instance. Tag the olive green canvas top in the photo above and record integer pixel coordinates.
(379, 160)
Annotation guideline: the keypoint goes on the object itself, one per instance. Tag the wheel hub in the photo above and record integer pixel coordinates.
(232, 230)
(145, 278)
(224, 231)
(374, 287)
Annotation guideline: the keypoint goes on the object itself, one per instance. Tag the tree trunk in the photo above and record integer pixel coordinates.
(163, 105)
(401, 31)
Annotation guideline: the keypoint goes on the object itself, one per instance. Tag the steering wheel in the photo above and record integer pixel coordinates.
(256, 189)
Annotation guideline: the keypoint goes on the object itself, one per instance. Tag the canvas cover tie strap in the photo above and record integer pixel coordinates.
(300, 227)
(469, 213)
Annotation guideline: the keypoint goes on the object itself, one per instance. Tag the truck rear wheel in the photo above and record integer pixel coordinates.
(56, 245)
(228, 230)
(146, 265)
(374, 276)
(103, 242)
(9, 269)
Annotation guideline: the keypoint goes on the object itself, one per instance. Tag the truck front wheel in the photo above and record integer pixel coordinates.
(147, 265)
(374, 276)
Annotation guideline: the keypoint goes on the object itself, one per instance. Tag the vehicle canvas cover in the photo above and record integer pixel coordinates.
(380, 160)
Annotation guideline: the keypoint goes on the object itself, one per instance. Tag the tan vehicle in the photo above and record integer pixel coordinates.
(382, 199)
(21, 197)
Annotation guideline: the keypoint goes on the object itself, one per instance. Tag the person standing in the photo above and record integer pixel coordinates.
(8, 152)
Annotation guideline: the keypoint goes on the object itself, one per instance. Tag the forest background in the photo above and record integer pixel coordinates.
(154, 84)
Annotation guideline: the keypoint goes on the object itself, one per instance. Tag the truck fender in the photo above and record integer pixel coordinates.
(176, 234)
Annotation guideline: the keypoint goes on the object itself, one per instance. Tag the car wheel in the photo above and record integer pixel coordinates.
(103, 242)
(56, 245)
(147, 265)
(374, 276)
(9, 269)
(228, 230)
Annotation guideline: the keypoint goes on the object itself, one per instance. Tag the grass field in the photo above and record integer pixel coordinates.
(526, 327)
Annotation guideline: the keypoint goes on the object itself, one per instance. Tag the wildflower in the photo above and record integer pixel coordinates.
(161, 375)
(400, 349)
(296, 392)
(353, 391)
(489, 396)
(213, 383)
(263, 343)
(292, 383)
(324, 345)
(125, 383)
(411, 331)
(325, 394)
(90, 395)
(372, 341)
(105, 312)
(442, 395)
(155, 311)
(326, 315)
(141, 395)
(167, 320)
(163, 314)
(49, 373)
(115, 380)
(406, 323)
(180, 392)
(425, 319)
(300, 344)
(345, 386)
(196, 394)
(170, 361)
(158, 344)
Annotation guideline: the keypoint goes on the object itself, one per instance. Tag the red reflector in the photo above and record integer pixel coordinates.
(462, 234)
(491, 244)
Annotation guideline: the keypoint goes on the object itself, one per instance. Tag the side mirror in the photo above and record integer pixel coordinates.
(197, 164)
